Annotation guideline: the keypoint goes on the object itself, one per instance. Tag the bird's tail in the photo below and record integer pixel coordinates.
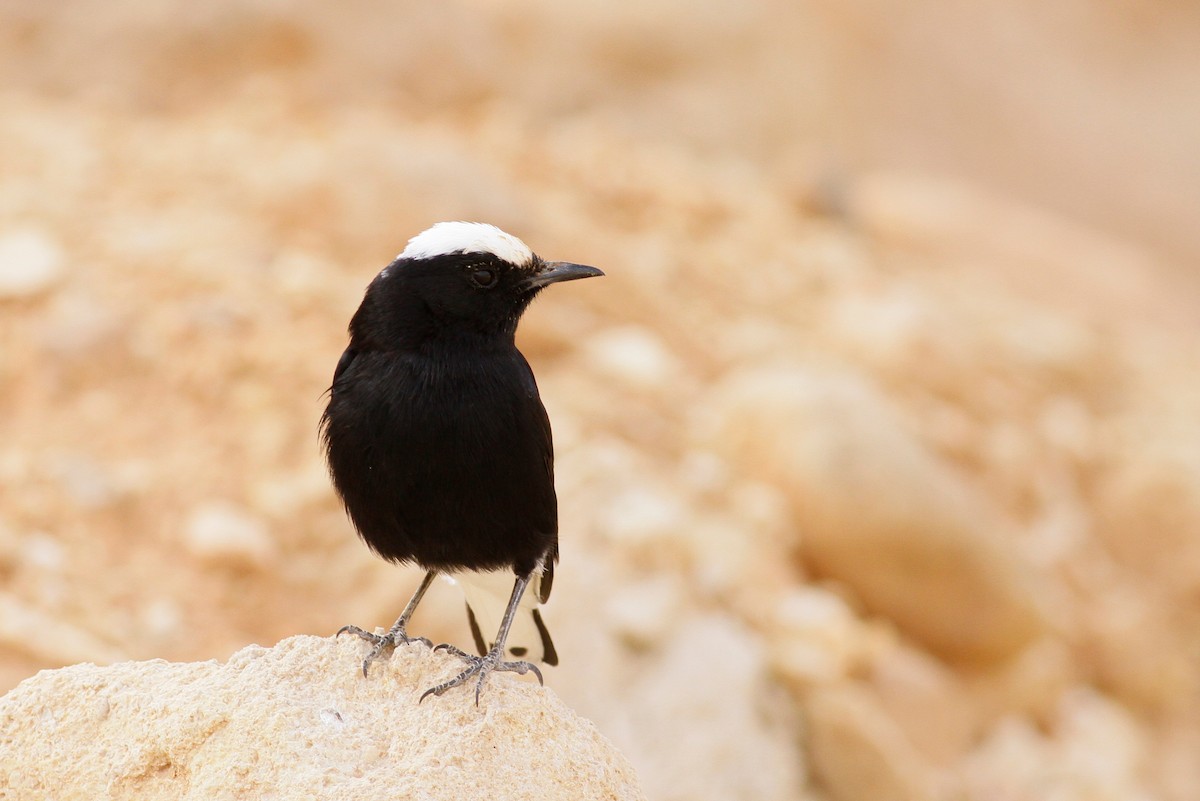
(487, 598)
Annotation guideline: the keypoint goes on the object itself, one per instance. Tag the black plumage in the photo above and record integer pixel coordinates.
(435, 434)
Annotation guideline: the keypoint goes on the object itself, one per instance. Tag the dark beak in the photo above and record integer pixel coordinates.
(554, 271)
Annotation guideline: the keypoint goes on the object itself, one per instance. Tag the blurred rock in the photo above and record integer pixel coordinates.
(1132, 649)
(880, 512)
(645, 517)
(53, 640)
(31, 261)
(290, 492)
(1032, 684)
(1149, 504)
(224, 534)
(859, 753)
(706, 689)
(816, 638)
(642, 614)
(927, 701)
(43, 552)
(1092, 752)
(1050, 256)
(162, 618)
(632, 355)
(75, 324)
(87, 483)
(296, 721)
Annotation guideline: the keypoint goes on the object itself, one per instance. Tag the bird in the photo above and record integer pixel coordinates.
(438, 443)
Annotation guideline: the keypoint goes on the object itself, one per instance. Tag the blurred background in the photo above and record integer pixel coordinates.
(879, 452)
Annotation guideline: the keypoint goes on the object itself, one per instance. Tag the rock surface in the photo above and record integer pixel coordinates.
(883, 515)
(296, 721)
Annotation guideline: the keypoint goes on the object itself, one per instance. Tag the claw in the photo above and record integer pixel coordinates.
(383, 644)
(429, 692)
(445, 646)
(479, 666)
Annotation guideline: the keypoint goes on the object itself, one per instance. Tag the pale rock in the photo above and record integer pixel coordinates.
(858, 752)
(10, 547)
(815, 636)
(763, 506)
(31, 261)
(51, 639)
(219, 532)
(927, 701)
(642, 613)
(884, 329)
(1173, 761)
(1133, 648)
(1029, 684)
(43, 551)
(704, 471)
(1009, 763)
(878, 510)
(45, 560)
(721, 552)
(300, 273)
(706, 692)
(1049, 342)
(76, 322)
(1045, 255)
(1101, 736)
(162, 618)
(290, 492)
(603, 465)
(297, 721)
(1090, 750)
(1067, 426)
(85, 481)
(1149, 501)
(749, 340)
(633, 355)
(644, 515)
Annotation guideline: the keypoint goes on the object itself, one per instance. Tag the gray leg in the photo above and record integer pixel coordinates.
(481, 666)
(386, 643)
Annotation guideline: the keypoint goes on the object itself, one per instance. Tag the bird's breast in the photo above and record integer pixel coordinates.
(414, 420)
(424, 450)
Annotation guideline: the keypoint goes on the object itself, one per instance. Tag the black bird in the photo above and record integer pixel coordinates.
(437, 440)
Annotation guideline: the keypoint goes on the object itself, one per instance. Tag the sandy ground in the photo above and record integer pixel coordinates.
(879, 459)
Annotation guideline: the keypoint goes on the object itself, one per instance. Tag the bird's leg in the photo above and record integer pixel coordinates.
(480, 666)
(396, 635)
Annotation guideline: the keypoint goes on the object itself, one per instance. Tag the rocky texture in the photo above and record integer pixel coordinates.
(296, 721)
(889, 468)
(883, 514)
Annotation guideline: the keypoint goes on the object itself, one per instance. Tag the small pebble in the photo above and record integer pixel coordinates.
(221, 533)
(632, 355)
(30, 262)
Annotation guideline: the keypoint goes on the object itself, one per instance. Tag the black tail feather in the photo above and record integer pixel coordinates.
(549, 655)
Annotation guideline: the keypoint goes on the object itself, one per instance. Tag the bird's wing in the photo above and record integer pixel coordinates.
(546, 580)
(547, 577)
(347, 356)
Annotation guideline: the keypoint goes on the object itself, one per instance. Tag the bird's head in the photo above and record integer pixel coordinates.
(463, 277)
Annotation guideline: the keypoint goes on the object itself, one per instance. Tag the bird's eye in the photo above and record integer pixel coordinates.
(483, 278)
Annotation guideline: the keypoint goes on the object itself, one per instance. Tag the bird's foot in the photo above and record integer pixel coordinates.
(479, 667)
(383, 644)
